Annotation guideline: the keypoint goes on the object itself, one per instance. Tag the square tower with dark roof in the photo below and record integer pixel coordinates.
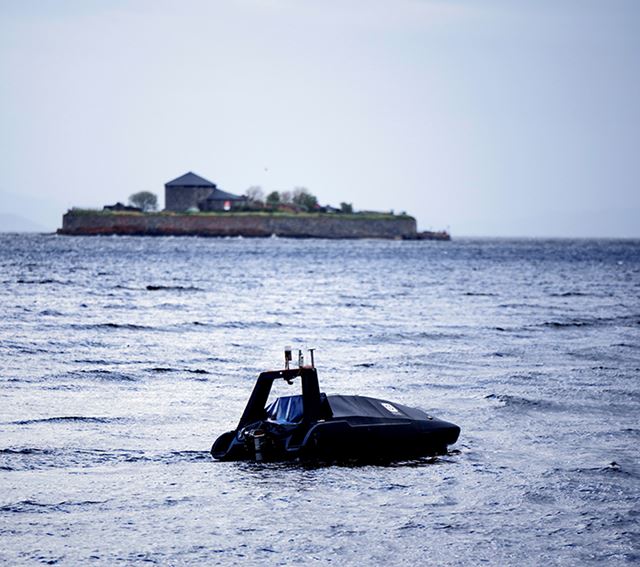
(190, 191)
(186, 192)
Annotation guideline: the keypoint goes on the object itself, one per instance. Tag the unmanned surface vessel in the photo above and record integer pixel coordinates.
(314, 426)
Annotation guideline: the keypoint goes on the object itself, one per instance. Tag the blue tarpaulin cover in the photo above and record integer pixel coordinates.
(287, 409)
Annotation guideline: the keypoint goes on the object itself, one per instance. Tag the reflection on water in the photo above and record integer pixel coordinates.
(123, 358)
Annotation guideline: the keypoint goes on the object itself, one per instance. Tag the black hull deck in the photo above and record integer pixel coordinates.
(341, 441)
(313, 426)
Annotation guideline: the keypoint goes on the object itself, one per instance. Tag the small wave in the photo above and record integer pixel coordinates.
(520, 402)
(33, 458)
(130, 326)
(563, 324)
(632, 431)
(163, 369)
(170, 457)
(527, 306)
(31, 506)
(172, 288)
(125, 326)
(626, 345)
(101, 374)
(66, 418)
(569, 294)
(250, 325)
(479, 294)
(25, 451)
(64, 388)
(612, 468)
(386, 337)
(50, 313)
(24, 348)
(209, 324)
(41, 282)
(624, 321)
(216, 359)
(189, 456)
(411, 525)
(26, 506)
(170, 306)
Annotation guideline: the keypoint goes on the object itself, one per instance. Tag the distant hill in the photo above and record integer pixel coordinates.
(16, 223)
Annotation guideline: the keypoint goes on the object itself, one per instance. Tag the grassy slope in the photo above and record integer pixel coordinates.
(354, 216)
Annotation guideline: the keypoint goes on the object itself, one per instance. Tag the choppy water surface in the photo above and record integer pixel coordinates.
(121, 359)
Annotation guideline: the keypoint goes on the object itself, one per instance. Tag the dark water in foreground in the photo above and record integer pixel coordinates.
(121, 359)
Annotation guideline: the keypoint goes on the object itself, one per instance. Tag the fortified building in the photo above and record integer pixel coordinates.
(190, 191)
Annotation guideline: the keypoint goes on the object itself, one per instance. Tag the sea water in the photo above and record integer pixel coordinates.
(123, 358)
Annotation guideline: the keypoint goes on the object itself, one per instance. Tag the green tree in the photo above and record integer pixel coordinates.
(146, 200)
(303, 198)
(346, 208)
(273, 199)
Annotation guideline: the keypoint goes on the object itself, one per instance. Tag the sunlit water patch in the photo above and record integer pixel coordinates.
(121, 360)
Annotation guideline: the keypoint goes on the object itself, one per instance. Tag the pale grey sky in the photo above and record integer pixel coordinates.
(500, 118)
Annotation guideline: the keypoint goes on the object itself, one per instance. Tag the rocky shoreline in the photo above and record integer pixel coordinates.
(302, 225)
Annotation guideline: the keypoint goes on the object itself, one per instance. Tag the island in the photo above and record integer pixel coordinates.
(195, 206)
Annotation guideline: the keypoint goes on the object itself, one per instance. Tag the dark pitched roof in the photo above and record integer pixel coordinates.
(190, 180)
(219, 195)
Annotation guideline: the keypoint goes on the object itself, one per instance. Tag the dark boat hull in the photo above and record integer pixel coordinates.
(340, 440)
(313, 426)
(344, 440)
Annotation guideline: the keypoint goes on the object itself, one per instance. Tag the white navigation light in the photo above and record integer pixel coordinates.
(287, 356)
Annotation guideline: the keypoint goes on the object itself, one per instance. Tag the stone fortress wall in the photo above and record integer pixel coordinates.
(234, 224)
